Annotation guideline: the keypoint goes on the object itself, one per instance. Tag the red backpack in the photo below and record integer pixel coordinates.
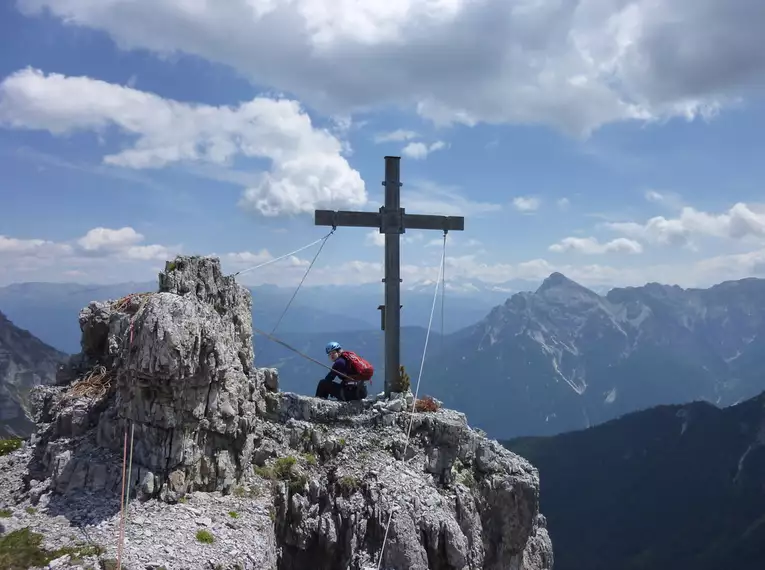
(363, 369)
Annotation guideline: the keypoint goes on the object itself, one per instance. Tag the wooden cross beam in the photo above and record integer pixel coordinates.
(392, 220)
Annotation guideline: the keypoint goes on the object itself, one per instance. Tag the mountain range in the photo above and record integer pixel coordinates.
(25, 362)
(50, 309)
(670, 478)
(563, 358)
(560, 358)
(670, 488)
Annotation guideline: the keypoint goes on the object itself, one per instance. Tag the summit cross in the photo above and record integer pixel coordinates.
(392, 221)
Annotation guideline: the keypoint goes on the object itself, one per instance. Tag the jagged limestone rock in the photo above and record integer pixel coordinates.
(202, 277)
(175, 367)
(25, 362)
(179, 374)
(459, 500)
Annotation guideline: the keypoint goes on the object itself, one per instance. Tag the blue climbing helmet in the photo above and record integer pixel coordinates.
(332, 346)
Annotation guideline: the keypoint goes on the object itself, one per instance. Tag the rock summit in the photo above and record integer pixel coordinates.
(163, 405)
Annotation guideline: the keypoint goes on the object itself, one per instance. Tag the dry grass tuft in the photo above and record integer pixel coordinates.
(425, 404)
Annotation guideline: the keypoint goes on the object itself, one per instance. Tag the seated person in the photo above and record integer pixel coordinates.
(350, 387)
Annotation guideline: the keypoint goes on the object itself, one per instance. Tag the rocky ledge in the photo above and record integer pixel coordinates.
(221, 470)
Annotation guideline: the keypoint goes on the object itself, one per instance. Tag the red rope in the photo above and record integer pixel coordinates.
(122, 505)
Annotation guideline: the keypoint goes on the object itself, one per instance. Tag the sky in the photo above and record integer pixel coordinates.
(618, 142)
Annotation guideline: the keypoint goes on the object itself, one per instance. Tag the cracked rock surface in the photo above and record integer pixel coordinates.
(228, 472)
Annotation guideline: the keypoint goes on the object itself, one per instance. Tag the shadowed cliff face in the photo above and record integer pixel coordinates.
(25, 362)
(670, 488)
(320, 479)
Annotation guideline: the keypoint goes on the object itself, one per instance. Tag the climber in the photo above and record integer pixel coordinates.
(352, 370)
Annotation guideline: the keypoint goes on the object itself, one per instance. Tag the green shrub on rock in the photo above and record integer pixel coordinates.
(10, 445)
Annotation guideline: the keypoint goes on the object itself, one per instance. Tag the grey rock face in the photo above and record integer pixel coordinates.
(175, 372)
(157, 534)
(168, 376)
(458, 500)
(25, 362)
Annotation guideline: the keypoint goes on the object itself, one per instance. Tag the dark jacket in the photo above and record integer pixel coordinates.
(340, 367)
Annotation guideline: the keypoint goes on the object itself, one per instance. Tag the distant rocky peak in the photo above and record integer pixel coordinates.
(660, 290)
(557, 287)
(25, 362)
(556, 280)
(649, 294)
(5, 322)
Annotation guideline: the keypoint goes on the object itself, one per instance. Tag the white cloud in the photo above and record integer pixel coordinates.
(573, 65)
(526, 203)
(686, 273)
(563, 203)
(736, 266)
(103, 239)
(376, 239)
(122, 242)
(399, 135)
(242, 260)
(341, 124)
(418, 150)
(592, 246)
(249, 258)
(454, 239)
(670, 200)
(740, 222)
(123, 245)
(307, 169)
(499, 273)
(31, 247)
(427, 197)
(44, 260)
(154, 252)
